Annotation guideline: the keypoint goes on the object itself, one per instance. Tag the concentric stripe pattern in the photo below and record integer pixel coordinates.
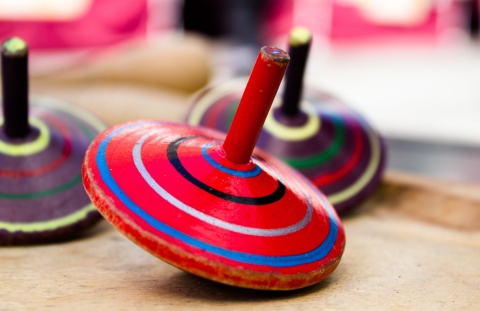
(331, 145)
(165, 179)
(41, 191)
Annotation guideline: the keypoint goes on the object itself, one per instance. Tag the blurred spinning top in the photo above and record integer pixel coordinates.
(213, 208)
(42, 198)
(315, 133)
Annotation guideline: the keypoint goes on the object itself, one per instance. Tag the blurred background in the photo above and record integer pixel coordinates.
(411, 67)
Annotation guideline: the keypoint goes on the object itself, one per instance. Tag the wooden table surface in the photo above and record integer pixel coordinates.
(407, 248)
(414, 244)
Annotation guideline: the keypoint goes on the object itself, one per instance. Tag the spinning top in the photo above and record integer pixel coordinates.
(42, 198)
(209, 206)
(316, 134)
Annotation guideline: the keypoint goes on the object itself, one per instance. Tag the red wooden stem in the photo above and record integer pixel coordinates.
(256, 101)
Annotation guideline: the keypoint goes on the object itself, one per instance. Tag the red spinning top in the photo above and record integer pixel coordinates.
(214, 209)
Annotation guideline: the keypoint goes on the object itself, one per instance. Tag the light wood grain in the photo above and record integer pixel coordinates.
(393, 260)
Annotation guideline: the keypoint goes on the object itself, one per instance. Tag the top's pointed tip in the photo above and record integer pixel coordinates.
(14, 47)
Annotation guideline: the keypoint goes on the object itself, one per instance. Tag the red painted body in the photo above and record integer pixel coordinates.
(178, 249)
(216, 210)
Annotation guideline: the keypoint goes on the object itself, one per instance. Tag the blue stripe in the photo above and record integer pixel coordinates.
(254, 172)
(274, 261)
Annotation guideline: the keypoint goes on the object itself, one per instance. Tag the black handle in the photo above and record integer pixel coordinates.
(15, 88)
(300, 40)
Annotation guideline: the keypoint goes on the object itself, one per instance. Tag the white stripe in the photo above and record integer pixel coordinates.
(137, 158)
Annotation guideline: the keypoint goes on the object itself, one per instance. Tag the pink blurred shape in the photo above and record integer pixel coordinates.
(104, 23)
(342, 22)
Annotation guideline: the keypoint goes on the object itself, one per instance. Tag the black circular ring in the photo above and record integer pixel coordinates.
(172, 155)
